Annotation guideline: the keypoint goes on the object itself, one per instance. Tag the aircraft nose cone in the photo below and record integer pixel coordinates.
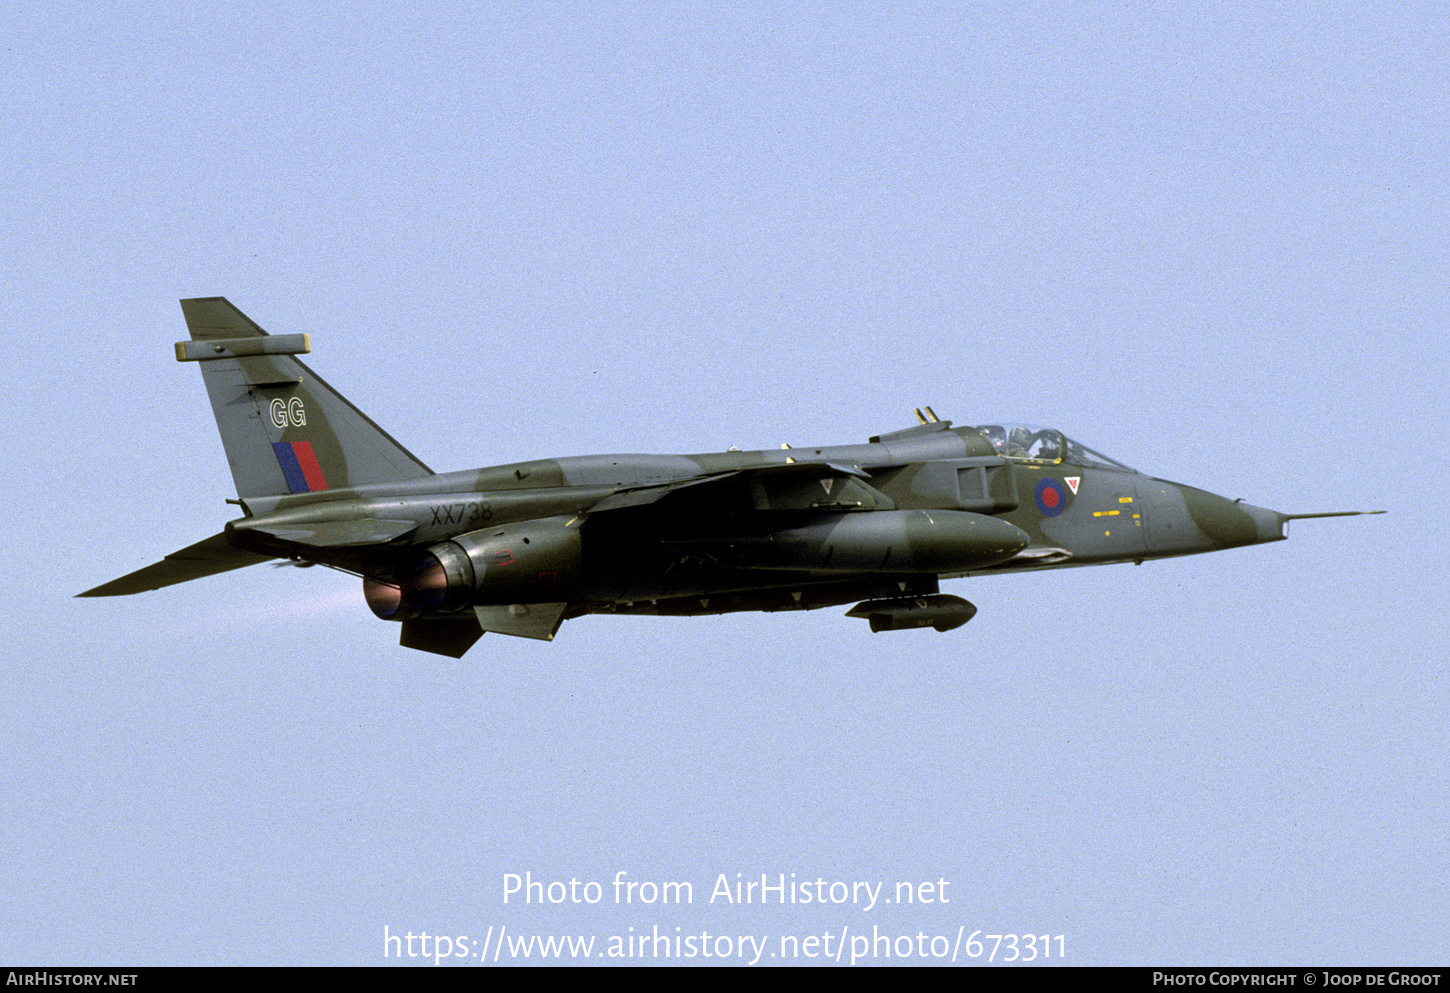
(1269, 523)
(1229, 523)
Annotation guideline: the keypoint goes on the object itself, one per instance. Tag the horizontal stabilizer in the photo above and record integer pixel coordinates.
(205, 558)
(337, 534)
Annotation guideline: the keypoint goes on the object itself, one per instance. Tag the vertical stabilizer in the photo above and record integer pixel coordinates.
(284, 429)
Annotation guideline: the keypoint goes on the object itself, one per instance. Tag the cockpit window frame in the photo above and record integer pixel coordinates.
(1019, 442)
(1080, 454)
(1030, 444)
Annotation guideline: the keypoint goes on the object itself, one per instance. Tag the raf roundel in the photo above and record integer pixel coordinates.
(1051, 497)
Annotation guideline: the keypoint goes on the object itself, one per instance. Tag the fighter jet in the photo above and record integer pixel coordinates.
(518, 549)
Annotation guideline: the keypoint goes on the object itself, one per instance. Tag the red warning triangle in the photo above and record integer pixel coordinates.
(1072, 482)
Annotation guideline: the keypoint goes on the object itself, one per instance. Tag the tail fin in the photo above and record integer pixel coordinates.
(284, 429)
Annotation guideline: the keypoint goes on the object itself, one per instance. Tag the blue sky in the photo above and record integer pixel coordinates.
(1209, 244)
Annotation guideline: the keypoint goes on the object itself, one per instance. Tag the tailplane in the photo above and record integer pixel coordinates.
(284, 429)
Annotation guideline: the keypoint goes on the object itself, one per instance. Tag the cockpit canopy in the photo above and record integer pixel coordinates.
(1044, 446)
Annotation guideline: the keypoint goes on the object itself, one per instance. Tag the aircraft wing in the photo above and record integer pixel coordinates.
(793, 486)
(205, 558)
(641, 496)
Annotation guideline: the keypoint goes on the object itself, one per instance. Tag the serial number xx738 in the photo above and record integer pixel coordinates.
(461, 513)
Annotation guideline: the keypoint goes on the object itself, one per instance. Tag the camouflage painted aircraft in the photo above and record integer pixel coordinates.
(517, 549)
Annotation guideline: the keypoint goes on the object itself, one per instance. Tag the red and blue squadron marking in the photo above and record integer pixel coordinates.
(299, 466)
